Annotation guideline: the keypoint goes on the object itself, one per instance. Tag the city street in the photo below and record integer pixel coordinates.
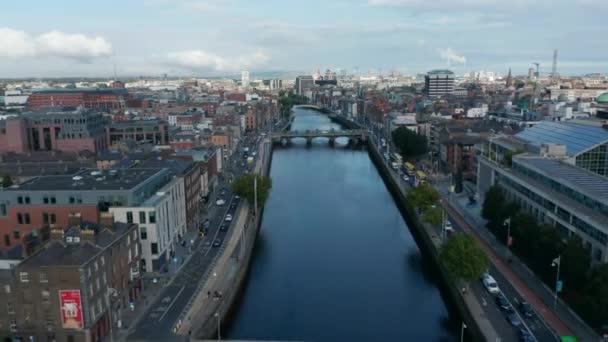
(161, 316)
(497, 316)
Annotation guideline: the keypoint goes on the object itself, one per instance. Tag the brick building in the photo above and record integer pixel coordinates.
(107, 99)
(28, 207)
(66, 131)
(72, 288)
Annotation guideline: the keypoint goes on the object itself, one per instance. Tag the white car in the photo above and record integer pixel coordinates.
(490, 284)
(228, 218)
(220, 202)
(448, 225)
(405, 178)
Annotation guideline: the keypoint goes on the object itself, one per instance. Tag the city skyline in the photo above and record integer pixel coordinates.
(222, 37)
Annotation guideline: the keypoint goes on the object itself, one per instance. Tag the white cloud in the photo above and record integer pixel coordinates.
(451, 56)
(199, 60)
(56, 43)
(53, 43)
(15, 43)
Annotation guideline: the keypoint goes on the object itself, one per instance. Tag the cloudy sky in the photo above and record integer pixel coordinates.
(219, 37)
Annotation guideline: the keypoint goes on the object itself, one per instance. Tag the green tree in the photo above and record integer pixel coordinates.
(463, 257)
(492, 204)
(433, 215)
(244, 186)
(7, 181)
(409, 143)
(575, 261)
(423, 196)
(595, 306)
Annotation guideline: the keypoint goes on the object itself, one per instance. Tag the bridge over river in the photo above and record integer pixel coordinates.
(309, 135)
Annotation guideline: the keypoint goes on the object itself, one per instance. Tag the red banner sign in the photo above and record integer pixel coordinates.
(71, 309)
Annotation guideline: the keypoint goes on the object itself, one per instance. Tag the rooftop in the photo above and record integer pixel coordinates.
(578, 138)
(61, 253)
(440, 72)
(81, 90)
(91, 179)
(575, 177)
(176, 166)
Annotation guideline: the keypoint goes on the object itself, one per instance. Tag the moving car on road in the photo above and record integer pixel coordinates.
(228, 218)
(220, 202)
(217, 243)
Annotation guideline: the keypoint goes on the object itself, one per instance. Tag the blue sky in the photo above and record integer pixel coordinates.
(214, 37)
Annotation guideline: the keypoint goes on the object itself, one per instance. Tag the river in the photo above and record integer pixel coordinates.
(334, 259)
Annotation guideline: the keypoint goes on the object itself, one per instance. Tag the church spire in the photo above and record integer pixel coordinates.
(509, 79)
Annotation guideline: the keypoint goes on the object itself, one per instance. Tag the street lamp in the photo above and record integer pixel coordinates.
(219, 322)
(507, 223)
(462, 327)
(113, 292)
(558, 284)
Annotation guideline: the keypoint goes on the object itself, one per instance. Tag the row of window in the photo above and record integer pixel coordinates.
(24, 277)
(583, 226)
(142, 217)
(45, 199)
(556, 186)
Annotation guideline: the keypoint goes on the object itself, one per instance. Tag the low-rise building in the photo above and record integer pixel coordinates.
(43, 201)
(161, 219)
(72, 288)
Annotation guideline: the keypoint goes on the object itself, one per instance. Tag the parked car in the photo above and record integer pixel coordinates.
(513, 318)
(502, 302)
(220, 202)
(489, 283)
(526, 309)
(228, 218)
(223, 227)
(525, 336)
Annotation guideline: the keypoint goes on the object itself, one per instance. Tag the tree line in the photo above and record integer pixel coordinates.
(585, 288)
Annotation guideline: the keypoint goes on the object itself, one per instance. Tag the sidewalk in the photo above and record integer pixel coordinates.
(562, 319)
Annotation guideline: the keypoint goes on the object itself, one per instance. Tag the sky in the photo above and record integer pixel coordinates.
(41, 38)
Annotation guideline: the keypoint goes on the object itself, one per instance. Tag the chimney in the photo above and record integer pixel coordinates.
(74, 219)
(87, 235)
(106, 220)
(57, 234)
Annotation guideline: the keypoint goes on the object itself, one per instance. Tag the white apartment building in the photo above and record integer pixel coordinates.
(160, 218)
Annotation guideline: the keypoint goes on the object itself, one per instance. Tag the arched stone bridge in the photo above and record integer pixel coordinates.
(309, 135)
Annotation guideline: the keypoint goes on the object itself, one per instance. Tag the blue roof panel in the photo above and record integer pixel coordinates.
(576, 137)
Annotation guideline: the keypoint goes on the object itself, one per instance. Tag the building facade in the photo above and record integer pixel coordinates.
(71, 289)
(66, 131)
(155, 132)
(27, 208)
(439, 82)
(304, 83)
(161, 219)
(107, 99)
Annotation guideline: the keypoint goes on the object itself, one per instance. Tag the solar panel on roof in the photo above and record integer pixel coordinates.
(575, 137)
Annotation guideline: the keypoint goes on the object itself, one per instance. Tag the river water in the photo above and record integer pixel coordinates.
(335, 260)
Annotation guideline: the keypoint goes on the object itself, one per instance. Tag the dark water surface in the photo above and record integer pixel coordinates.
(334, 260)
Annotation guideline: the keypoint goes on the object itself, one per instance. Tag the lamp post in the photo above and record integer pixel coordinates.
(462, 327)
(219, 322)
(558, 286)
(113, 292)
(507, 223)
